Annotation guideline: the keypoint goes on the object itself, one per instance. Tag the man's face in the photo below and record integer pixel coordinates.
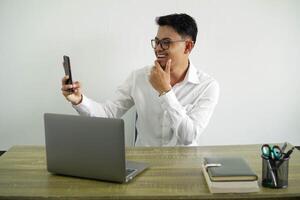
(175, 51)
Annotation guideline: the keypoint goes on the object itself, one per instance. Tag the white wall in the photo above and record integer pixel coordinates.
(251, 47)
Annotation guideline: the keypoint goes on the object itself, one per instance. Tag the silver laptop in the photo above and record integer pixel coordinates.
(88, 147)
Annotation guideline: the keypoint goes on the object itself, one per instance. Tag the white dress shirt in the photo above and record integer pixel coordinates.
(175, 118)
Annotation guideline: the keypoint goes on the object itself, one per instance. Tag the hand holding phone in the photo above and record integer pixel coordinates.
(71, 94)
(67, 68)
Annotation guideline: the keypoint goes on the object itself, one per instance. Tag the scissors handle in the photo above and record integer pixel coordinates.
(266, 150)
(274, 153)
(276, 150)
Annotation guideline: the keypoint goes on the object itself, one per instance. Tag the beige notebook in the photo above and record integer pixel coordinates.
(230, 186)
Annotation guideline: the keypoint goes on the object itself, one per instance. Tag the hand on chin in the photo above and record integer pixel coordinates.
(162, 63)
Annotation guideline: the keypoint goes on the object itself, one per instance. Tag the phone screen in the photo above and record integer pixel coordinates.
(67, 68)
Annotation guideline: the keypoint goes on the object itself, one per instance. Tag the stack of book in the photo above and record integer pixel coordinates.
(229, 175)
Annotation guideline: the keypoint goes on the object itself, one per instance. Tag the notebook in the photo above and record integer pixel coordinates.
(88, 147)
(231, 169)
(229, 175)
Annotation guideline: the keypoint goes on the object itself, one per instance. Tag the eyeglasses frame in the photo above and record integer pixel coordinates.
(159, 42)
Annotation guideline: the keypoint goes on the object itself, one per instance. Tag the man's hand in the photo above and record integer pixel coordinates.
(74, 97)
(159, 78)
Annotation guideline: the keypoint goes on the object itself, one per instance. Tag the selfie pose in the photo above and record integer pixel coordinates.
(174, 100)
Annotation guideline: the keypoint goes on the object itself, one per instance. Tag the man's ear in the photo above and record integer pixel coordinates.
(189, 45)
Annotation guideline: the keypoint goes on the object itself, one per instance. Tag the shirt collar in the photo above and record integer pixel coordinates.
(192, 75)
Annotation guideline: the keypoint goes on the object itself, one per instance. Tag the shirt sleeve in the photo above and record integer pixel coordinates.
(188, 124)
(114, 108)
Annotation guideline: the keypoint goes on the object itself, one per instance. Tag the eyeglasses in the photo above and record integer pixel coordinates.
(164, 43)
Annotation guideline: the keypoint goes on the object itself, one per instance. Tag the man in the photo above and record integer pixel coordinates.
(174, 101)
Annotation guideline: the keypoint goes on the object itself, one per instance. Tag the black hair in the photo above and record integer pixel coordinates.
(182, 23)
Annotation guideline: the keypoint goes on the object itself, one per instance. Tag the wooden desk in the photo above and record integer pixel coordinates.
(175, 174)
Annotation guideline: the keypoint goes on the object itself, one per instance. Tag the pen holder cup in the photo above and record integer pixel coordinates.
(275, 173)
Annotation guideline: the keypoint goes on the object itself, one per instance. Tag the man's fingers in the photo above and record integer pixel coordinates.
(66, 87)
(66, 93)
(168, 66)
(76, 84)
(64, 79)
(156, 63)
(158, 66)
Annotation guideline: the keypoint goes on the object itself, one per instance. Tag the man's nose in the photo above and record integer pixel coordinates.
(158, 48)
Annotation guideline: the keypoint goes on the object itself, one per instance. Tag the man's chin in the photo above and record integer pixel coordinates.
(162, 64)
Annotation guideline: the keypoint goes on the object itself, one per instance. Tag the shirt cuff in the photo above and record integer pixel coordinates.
(82, 108)
(169, 101)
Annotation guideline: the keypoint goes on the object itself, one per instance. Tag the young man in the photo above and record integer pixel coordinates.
(174, 101)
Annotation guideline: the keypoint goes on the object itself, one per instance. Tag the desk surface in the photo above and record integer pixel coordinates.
(174, 174)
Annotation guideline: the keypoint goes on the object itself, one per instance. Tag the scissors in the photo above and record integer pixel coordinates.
(274, 153)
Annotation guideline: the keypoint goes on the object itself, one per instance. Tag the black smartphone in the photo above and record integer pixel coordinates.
(67, 68)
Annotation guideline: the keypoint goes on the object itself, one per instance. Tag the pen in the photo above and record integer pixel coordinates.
(287, 155)
(283, 147)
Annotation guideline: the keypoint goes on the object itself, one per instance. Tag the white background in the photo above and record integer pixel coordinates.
(251, 47)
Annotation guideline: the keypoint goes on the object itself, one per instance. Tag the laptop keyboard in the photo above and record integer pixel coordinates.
(129, 171)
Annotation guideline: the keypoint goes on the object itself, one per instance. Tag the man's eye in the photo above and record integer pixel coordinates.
(165, 42)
